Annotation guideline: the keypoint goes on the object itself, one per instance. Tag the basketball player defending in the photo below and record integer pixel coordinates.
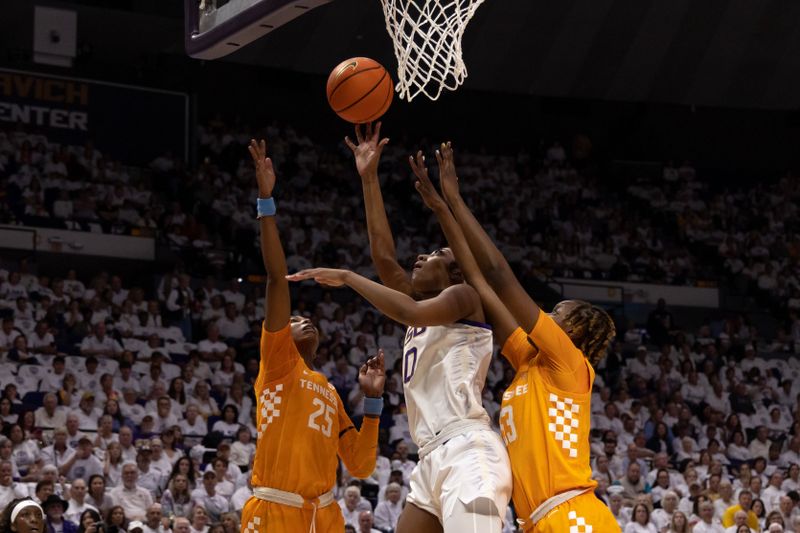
(462, 483)
(301, 420)
(545, 413)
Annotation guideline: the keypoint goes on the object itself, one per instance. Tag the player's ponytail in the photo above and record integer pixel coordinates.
(591, 329)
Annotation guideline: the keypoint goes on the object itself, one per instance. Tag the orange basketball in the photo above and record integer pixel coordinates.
(360, 90)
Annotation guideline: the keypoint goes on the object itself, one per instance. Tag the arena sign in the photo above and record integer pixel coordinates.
(74, 110)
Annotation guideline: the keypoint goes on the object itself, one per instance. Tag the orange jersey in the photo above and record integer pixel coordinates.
(302, 425)
(545, 426)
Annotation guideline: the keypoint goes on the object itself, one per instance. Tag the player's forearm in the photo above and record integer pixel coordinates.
(489, 258)
(272, 250)
(381, 241)
(357, 448)
(392, 303)
(500, 317)
(277, 303)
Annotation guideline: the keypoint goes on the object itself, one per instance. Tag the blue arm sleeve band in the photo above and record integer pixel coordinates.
(265, 207)
(373, 406)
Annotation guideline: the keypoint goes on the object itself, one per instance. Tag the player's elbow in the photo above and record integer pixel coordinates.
(364, 470)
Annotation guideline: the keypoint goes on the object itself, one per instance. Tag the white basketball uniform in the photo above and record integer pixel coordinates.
(461, 458)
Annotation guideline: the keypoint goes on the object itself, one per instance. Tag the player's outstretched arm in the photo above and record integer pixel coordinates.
(381, 243)
(494, 266)
(277, 305)
(503, 322)
(358, 448)
(455, 303)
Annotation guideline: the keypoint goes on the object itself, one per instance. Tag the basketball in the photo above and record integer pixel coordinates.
(360, 90)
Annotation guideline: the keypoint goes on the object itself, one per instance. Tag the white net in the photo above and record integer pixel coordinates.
(427, 42)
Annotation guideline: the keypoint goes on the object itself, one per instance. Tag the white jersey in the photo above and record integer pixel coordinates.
(444, 370)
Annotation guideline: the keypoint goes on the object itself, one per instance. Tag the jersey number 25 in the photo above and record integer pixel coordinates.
(325, 410)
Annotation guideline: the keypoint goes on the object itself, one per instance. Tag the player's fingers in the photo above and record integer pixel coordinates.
(349, 143)
(263, 146)
(383, 142)
(421, 162)
(363, 370)
(369, 131)
(412, 163)
(359, 137)
(439, 159)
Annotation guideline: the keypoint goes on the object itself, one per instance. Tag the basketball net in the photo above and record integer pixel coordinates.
(427, 42)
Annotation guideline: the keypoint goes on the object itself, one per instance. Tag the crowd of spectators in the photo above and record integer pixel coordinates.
(130, 402)
(677, 229)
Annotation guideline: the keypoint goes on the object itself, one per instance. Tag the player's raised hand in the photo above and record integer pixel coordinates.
(372, 376)
(368, 150)
(331, 277)
(448, 180)
(265, 174)
(424, 185)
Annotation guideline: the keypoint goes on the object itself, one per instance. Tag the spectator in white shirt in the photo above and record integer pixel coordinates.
(662, 517)
(792, 481)
(77, 502)
(100, 344)
(707, 524)
(118, 293)
(152, 317)
(772, 494)
(7, 334)
(388, 511)
(54, 379)
(640, 520)
(129, 407)
(41, 341)
(164, 417)
(60, 451)
(212, 348)
(206, 497)
(134, 499)
(89, 379)
(152, 523)
(641, 366)
(365, 522)
(13, 288)
(193, 426)
(233, 294)
(759, 447)
(87, 413)
(232, 325)
(148, 478)
(350, 505)
(83, 463)
(125, 378)
(50, 415)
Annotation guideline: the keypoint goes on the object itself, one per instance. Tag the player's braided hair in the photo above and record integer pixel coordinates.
(591, 329)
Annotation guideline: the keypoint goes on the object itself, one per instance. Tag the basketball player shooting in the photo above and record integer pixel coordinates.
(462, 483)
(546, 411)
(301, 421)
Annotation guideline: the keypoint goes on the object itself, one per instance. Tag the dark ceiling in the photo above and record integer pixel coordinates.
(728, 53)
(731, 53)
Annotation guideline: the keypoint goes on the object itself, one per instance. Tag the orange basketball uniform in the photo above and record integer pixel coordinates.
(302, 426)
(546, 430)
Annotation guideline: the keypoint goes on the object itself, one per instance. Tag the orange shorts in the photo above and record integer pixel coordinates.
(259, 516)
(581, 514)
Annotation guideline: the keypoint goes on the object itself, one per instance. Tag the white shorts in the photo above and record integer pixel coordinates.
(466, 468)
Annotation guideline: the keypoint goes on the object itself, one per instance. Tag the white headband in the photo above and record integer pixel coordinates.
(22, 505)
